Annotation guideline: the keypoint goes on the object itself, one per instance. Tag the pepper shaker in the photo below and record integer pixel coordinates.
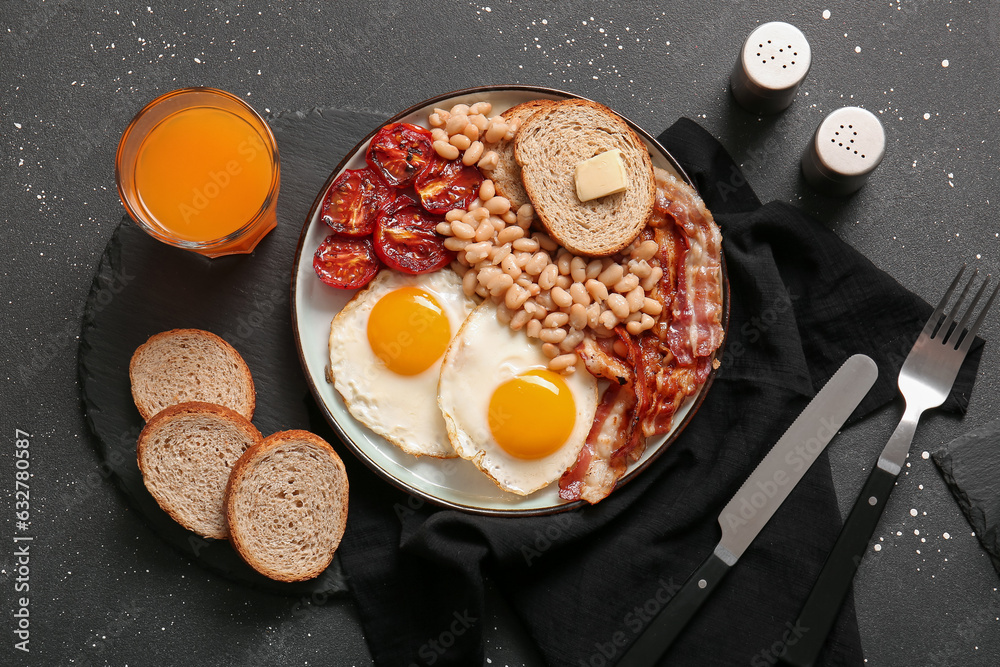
(846, 148)
(774, 60)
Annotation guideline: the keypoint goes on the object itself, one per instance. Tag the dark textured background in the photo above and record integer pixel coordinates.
(105, 589)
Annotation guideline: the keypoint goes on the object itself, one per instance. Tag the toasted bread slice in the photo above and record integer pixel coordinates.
(184, 365)
(549, 145)
(286, 504)
(507, 175)
(186, 453)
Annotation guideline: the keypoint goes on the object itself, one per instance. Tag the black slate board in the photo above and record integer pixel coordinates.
(142, 287)
(970, 465)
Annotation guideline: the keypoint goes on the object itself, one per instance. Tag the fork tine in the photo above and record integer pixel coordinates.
(945, 333)
(936, 315)
(967, 342)
(960, 327)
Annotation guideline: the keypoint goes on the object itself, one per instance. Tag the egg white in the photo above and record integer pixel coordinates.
(484, 355)
(400, 408)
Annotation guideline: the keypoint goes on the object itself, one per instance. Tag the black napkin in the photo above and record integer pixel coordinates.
(585, 583)
(970, 465)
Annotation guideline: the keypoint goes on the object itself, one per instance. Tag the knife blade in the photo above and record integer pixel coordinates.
(758, 499)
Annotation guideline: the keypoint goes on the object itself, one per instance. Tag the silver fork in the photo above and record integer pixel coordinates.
(925, 380)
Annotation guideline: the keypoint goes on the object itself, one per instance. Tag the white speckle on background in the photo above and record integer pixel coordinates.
(913, 512)
(946, 536)
(197, 60)
(925, 455)
(17, 125)
(916, 532)
(878, 547)
(927, 116)
(944, 63)
(826, 13)
(857, 49)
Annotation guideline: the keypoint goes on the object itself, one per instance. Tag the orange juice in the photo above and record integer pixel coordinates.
(203, 173)
(198, 168)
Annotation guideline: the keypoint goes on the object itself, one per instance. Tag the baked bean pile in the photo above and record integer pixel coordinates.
(469, 129)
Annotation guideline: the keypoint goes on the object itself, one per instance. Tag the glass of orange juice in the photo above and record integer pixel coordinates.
(198, 168)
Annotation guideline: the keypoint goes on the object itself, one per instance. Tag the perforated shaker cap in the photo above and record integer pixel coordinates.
(773, 63)
(846, 149)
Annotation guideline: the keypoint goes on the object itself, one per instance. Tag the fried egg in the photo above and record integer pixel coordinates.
(518, 422)
(386, 348)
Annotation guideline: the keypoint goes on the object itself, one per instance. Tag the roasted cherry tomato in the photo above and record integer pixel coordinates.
(444, 185)
(345, 262)
(400, 151)
(353, 200)
(406, 241)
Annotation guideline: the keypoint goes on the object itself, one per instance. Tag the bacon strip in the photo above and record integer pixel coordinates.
(633, 444)
(597, 470)
(599, 358)
(696, 324)
(600, 463)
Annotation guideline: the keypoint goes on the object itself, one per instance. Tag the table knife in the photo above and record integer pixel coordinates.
(757, 500)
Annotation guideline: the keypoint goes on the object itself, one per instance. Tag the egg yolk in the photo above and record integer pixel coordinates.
(408, 330)
(532, 415)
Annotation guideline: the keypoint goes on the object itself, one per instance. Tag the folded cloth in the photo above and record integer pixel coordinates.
(970, 465)
(586, 582)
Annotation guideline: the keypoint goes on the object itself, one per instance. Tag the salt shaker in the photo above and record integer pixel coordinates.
(846, 148)
(773, 62)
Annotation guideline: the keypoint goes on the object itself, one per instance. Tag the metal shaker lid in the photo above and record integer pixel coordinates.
(772, 64)
(846, 148)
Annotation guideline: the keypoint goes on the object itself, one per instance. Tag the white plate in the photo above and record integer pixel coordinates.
(452, 483)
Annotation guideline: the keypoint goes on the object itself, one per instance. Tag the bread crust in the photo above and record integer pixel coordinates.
(162, 420)
(234, 488)
(507, 175)
(550, 143)
(146, 403)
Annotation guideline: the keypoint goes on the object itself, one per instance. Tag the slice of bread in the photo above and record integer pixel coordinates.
(507, 175)
(286, 505)
(184, 365)
(186, 453)
(549, 145)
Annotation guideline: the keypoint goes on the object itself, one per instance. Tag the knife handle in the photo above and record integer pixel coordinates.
(668, 623)
(830, 589)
